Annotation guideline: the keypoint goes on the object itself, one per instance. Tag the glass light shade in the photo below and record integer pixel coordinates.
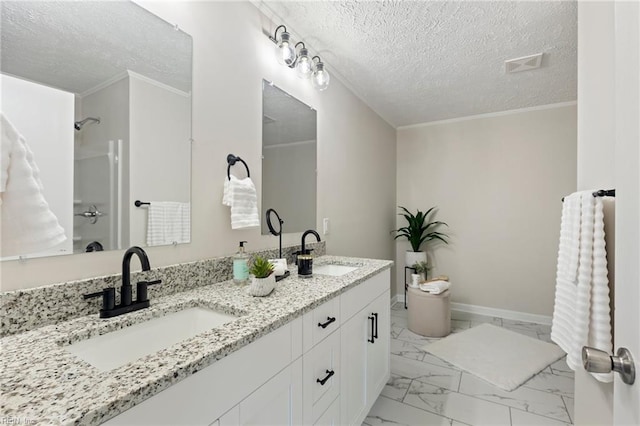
(285, 53)
(304, 65)
(321, 77)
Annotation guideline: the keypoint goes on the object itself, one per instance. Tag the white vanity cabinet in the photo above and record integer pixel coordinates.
(365, 339)
(277, 402)
(261, 373)
(320, 369)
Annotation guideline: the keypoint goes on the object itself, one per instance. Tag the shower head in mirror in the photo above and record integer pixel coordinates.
(78, 124)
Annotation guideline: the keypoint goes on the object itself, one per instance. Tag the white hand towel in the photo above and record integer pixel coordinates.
(241, 196)
(581, 314)
(168, 222)
(435, 287)
(569, 237)
(28, 224)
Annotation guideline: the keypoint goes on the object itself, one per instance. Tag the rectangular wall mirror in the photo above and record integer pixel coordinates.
(288, 160)
(101, 94)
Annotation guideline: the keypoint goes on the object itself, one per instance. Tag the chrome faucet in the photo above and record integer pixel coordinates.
(109, 308)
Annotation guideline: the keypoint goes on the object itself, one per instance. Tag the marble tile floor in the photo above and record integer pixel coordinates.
(425, 390)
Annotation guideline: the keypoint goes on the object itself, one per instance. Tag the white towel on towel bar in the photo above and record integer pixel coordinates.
(28, 224)
(569, 250)
(581, 315)
(241, 196)
(168, 222)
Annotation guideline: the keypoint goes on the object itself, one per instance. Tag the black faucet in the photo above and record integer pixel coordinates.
(304, 236)
(109, 308)
(125, 290)
(304, 258)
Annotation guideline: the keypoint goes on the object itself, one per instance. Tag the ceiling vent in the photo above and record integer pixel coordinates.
(525, 63)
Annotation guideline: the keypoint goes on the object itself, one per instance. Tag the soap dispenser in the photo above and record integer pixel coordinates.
(240, 265)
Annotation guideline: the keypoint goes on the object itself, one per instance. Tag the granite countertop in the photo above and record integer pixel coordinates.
(42, 383)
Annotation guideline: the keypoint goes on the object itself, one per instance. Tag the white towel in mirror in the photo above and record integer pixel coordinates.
(168, 222)
(28, 224)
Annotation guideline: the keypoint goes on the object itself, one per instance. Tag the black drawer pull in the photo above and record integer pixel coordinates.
(373, 337)
(375, 334)
(323, 381)
(326, 324)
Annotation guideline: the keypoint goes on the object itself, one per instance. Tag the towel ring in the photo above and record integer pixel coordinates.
(231, 160)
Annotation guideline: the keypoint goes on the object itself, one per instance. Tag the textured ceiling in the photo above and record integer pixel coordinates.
(76, 45)
(422, 61)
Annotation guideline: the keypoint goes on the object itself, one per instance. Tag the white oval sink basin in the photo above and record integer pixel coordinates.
(117, 348)
(333, 270)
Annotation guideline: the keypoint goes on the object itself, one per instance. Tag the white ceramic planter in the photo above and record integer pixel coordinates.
(413, 257)
(262, 286)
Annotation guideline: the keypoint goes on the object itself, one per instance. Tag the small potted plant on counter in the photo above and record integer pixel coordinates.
(418, 231)
(263, 279)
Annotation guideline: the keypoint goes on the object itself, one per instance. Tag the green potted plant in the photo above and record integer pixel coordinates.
(422, 268)
(419, 229)
(263, 280)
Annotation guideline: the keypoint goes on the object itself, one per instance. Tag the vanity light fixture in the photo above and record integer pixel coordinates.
(304, 64)
(305, 67)
(285, 53)
(321, 77)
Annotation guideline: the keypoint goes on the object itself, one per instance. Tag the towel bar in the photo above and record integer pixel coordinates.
(231, 160)
(602, 193)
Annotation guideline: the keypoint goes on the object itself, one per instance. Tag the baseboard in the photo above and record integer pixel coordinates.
(493, 312)
(501, 313)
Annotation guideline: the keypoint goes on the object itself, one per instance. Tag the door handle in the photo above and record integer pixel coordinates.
(373, 337)
(597, 361)
(375, 334)
(326, 323)
(327, 377)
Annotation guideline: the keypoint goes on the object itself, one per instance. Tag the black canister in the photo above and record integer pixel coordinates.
(305, 264)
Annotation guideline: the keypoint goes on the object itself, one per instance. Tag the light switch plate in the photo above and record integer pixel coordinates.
(325, 226)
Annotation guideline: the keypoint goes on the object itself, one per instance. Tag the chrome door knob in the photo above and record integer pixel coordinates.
(597, 361)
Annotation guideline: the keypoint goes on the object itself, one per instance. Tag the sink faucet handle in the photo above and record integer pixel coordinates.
(142, 287)
(108, 297)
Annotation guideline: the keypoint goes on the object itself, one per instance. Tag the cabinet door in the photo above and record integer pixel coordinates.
(277, 402)
(321, 377)
(353, 354)
(331, 417)
(378, 357)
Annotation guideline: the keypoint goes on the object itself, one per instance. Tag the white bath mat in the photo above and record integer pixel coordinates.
(502, 357)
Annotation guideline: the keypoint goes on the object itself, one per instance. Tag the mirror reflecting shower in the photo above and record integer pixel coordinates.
(110, 83)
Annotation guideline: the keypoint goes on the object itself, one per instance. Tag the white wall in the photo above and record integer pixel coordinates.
(160, 149)
(356, 150)
(44, 116)
(498, 181)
